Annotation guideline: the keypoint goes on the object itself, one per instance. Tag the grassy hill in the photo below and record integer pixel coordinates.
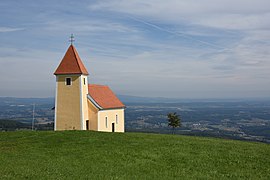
(95, 155)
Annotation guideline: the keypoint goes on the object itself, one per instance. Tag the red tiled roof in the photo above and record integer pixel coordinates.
(104, 96)
(71, 63)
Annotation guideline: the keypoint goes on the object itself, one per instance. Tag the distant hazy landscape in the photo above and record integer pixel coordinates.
(233, 119)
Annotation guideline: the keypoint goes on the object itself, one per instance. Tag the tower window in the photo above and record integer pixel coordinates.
(116, 119)
(84, 81)
(68, 81)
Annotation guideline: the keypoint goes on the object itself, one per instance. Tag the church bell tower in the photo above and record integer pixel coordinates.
(71, 111)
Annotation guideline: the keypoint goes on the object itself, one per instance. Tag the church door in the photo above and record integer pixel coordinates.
(113, 127)
(87, 124)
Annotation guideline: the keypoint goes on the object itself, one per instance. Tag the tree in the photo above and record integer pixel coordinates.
(174, 121)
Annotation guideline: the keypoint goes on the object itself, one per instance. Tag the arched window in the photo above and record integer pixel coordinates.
(106, 122)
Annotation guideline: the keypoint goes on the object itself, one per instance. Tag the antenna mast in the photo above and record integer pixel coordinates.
(33, 120)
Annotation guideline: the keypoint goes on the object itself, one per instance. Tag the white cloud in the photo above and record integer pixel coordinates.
(229, 14)
(90, 26)
(9, 29)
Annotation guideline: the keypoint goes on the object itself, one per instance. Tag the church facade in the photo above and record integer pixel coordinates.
(83, 106)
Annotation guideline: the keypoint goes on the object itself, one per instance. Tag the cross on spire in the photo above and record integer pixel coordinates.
(71, 40)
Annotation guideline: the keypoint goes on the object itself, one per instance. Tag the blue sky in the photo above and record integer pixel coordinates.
(155, 48)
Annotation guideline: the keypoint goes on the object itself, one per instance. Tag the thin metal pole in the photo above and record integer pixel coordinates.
(33, 120)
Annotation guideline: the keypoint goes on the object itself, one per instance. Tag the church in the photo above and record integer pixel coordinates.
(83, 106)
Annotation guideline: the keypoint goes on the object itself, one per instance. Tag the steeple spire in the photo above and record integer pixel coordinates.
(71, 63)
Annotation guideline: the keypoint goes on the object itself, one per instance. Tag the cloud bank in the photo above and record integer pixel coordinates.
(183, 49)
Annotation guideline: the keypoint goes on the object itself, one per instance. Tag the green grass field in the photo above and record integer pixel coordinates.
(96, 155)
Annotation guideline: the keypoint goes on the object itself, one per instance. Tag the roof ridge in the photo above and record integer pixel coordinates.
(93, 101)
(98, 85)
(73, 50)
(76, 56)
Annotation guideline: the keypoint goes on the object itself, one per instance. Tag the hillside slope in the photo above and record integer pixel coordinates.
(95, 155)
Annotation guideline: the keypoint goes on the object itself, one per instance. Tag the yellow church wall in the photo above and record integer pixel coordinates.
(68, 103)
(111, 118)
(73, 108)
(92, 116)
